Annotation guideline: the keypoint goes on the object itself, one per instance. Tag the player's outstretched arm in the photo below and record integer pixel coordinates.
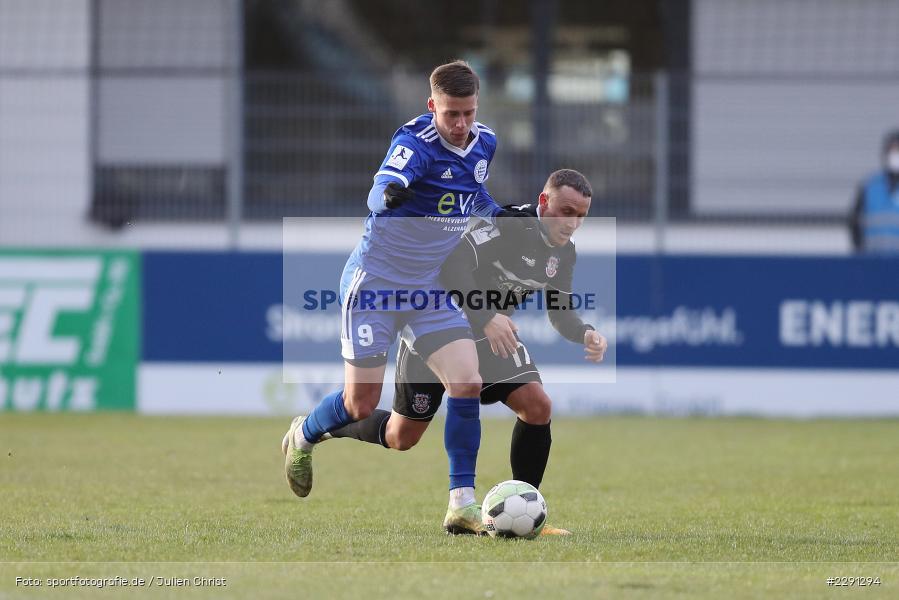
(564, 318)
(509, 221)
(388, 195)
(376, 202)
(484, 205)
(457, 274)
(396, 195)
(573, 328)
(405, 163)
(595, 346)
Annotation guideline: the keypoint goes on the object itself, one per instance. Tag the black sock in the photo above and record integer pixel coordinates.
(371, 429)
(530, 451)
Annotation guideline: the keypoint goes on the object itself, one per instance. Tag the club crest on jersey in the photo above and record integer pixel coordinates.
(399, 157)
(421, 403)
(552, 266)
(480, 171)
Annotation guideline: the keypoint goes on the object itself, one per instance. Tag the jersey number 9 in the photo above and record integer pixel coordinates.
(366, 337)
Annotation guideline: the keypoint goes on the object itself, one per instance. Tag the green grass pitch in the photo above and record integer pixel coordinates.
(660, 508)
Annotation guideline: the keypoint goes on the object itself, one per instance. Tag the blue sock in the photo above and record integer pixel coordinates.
(330, 414)
(462, 438)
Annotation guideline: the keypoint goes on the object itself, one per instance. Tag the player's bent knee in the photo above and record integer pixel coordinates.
(402, 440)
(360, 403)
(471, 388)
(532, 404)
(540, 411)
(402, 444)
(359, 411)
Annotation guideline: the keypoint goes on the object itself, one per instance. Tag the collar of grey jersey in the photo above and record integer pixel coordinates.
(455, 149)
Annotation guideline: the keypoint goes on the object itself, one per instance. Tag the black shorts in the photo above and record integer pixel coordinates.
(418, 392)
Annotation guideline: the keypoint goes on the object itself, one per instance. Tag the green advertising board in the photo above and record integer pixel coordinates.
(69, 329)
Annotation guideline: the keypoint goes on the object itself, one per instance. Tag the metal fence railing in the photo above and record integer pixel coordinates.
(312, 146)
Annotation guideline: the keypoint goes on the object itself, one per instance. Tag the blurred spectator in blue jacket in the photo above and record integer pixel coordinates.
(874, 222)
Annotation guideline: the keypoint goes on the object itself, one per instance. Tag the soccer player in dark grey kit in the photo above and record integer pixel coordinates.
(512, 266)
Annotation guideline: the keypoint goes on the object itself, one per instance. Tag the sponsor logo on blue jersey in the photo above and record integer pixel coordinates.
(449, 186)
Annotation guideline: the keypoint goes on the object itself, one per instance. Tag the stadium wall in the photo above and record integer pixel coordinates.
(790, 100)
(45, 114)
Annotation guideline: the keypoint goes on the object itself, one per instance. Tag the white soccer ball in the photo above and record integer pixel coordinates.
(514, 509)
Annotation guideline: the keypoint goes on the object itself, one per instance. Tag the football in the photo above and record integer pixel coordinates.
(514, 509)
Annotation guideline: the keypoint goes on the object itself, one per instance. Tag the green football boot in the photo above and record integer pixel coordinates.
(285, 441)
(298, 462)
(465, 520)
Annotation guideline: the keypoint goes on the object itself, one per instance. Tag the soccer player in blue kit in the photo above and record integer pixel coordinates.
(429, 183)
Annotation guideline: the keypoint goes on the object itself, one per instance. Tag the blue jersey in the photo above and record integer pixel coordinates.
(449, 186)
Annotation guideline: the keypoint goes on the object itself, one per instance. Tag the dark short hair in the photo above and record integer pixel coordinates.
(573, 179)
(456, 79)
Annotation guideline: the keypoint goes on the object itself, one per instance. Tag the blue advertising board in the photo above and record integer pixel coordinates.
(210, 306)
(784, 312)
(797, 312)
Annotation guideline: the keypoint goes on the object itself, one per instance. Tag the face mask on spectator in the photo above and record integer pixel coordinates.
(893, 161)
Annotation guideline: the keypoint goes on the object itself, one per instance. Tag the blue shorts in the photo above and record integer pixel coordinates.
(373, 310)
